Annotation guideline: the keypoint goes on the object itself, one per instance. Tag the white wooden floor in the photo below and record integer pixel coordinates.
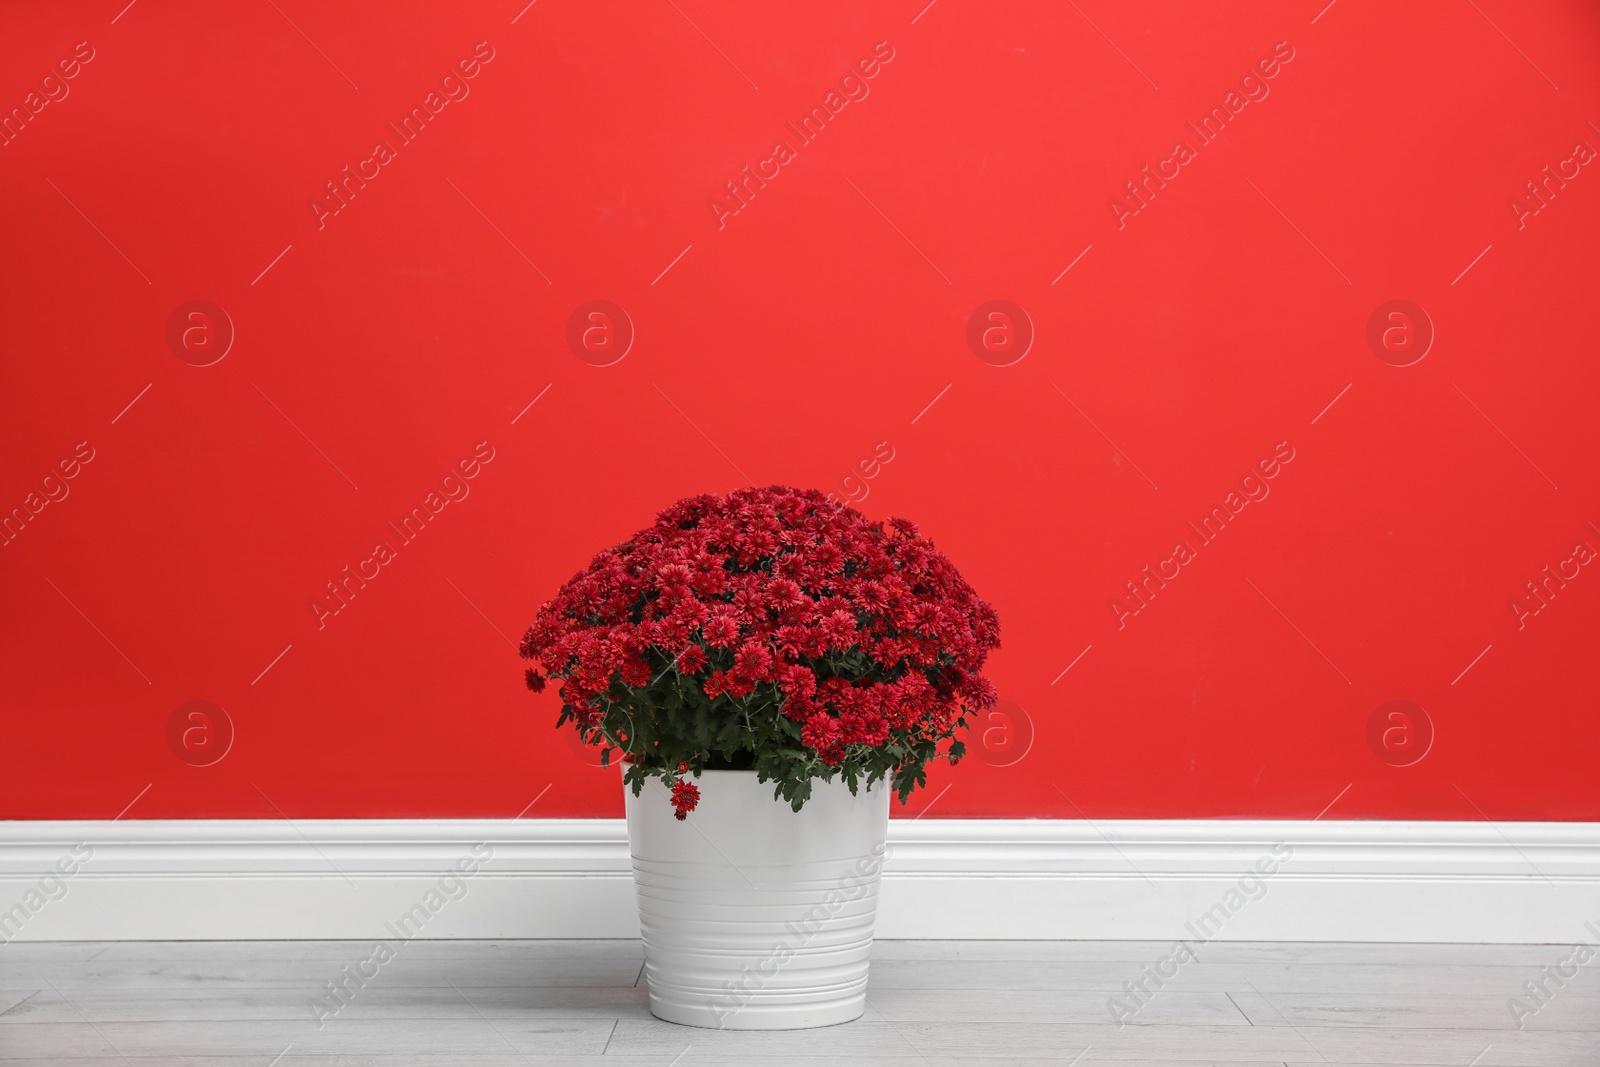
(499, 1004)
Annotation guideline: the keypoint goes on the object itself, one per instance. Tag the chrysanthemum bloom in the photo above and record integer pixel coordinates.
(774, 629)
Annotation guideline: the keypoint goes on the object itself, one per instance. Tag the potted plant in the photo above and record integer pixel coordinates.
(768, 666)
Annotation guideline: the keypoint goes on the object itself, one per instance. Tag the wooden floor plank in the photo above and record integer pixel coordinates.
(693, 1059)
(409, 969)
(617, 948)
(1226, 952)
(289, 1004)
(493, 1003)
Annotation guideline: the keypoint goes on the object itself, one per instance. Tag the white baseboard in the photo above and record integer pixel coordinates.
(944, 878)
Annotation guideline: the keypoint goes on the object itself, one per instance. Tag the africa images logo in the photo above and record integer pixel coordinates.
(853, 88)
(453, 88)
(1253, 88)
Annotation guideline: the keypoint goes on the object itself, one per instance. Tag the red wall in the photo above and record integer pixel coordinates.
(375, 347)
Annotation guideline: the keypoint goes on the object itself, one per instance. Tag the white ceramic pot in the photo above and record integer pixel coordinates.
(757, 917)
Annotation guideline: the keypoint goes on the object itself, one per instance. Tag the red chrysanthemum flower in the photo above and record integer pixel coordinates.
(754, 661)
(774, 624)
(685, 795)
(722, 630)
(715, 685)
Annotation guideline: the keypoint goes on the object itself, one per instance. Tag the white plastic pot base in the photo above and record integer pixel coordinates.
(754, 916)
